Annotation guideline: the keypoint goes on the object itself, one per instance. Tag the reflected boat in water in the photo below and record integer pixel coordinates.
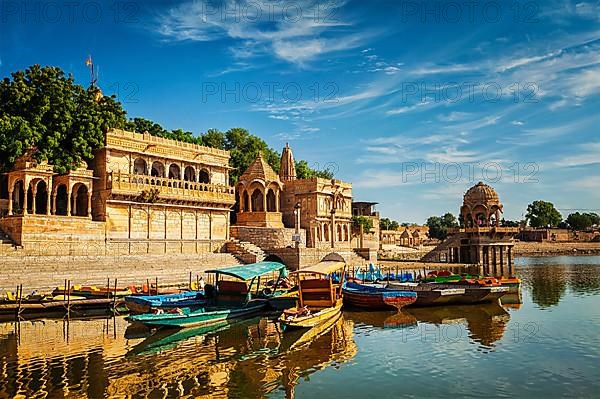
(382, 319)
(486, 322)
(250, 359)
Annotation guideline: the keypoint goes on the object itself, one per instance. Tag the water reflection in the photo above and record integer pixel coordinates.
(247, 359)
(486, 323)
(549, 279)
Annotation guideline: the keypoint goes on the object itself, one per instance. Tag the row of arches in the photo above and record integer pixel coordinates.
(481, 216)
(158, 169)
(35, 199)
(342, 232)
(258, 197)
(257, 202)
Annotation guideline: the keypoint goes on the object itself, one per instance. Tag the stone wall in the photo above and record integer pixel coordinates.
(52, 230)
(46, 272)
(267, 238)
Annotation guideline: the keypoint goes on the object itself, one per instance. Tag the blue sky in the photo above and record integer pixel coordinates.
(413, 102)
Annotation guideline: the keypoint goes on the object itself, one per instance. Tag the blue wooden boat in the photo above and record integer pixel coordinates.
(230, 299)
(144, 303)
(375, 298)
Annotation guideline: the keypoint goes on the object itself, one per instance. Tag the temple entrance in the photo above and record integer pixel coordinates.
(61, 201)
(273, 258)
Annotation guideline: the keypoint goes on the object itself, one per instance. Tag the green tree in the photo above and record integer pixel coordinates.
(303, 171)
(510, 223)
(365, 222)
(214, 138)
(141, 125)
(543, 214)
(388, 224)
(42, 109)
(439, 225)
(581, 221)
(244, 147)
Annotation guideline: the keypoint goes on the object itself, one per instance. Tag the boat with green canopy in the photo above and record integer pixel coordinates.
(236, 294)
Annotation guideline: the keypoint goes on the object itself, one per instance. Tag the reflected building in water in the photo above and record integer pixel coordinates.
(248, 359)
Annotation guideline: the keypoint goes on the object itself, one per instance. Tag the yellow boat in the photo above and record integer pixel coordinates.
(319, 297)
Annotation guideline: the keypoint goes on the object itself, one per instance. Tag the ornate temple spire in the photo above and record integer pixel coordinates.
(287, 171)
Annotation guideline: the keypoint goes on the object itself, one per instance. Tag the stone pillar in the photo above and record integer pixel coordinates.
(33, 201)
(264, 197)
(333, 230)
(10, 202)
(26, 194)
(69, 202)
(89, 207)
(458, 255)
(510, 268)
(53, 204)
(494, 260)
(502, 260)
(48, 198)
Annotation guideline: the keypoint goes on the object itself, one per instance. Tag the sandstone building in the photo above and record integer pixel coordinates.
(142, 194)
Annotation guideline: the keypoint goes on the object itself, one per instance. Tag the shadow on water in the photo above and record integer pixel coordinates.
(247, 359)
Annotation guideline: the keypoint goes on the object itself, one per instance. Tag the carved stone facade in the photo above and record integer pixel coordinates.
(143, 194)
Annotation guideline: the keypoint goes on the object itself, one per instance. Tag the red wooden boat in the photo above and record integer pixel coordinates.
(370, 297)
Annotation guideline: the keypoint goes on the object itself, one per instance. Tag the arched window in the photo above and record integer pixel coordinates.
(80, 200)
(139, 167)
(246, 201)
(61, 200)
(326, 232)
(271, 201)
(189, 174)
(204, 176)
(158, 169)
(257, 201)
(18, 197)
(174, 172)
(320, 232)
(339, 233)
(41, 198)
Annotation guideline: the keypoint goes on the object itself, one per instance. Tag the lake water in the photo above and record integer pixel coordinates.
(548, 346)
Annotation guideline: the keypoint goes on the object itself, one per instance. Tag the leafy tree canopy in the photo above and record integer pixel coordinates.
(582, 221)
(387, 224)
(365, 222)
(439, 225)
(41, 108)
(543, 214)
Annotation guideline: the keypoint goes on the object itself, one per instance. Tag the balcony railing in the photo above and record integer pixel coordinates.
(124, 183)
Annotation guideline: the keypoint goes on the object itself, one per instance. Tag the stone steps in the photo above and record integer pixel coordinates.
(45, 273)
(434, 255)
(245, 251)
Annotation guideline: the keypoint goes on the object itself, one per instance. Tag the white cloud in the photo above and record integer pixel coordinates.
(297, 39)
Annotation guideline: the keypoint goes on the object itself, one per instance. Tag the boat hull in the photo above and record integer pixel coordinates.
(199, 318)
(372, 298)
(312, 320)
(434, 294)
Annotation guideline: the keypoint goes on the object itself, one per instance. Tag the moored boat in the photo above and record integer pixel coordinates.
(434, 294)
(375, 298)
(144, 303)
(233, 299)
(319, 296)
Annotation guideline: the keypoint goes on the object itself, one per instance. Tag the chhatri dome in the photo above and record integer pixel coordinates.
(481, 206)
